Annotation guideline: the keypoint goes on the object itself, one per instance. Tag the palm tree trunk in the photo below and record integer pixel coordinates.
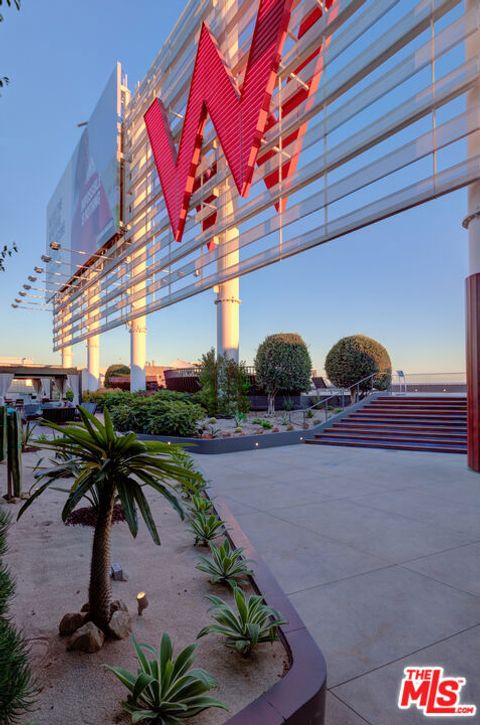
(100, 591)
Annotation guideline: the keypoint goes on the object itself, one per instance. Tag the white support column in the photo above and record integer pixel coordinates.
(93, 363)
(92, 377)
(228, 294)
(138, 354)
(67, 356)
(138, 330)
(228, 300)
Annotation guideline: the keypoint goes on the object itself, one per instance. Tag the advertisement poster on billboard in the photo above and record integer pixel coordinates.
(84, 211)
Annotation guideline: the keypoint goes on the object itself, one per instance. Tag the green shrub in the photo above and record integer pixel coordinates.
(174, 418)
(115, 371)
(165, 689)
(283, 364)
(69, 396)
(248, 624)
(157, 414)
(224, 385)
(16, 684)
(266, 424)
(353, 358)
(110, 398)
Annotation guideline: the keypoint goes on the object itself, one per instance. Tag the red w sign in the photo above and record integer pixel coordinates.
(239, 117)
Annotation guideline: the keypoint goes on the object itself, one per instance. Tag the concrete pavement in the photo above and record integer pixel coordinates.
(379, 551)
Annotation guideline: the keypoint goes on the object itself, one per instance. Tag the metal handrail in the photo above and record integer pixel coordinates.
(342, 392)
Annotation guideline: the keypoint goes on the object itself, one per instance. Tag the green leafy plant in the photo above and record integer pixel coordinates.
(288, 404)
(42, 438)
(112, 466)
(240, 418)
(265, 424)
(27, 433)
(227, 565)
(214, 430)
(282, 364)
(248, 624)
(200, 504)
(206, 527)
(166, 690)
(310, 413)
(212, 421)
(155, 415)
(69, 396)
(195, 483)
(17, 688)
(224, 385)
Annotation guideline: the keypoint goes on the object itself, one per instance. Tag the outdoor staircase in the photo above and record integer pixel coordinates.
(410, 423)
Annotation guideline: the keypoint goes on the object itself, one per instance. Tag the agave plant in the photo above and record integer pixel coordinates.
(226, 566)
(165, 690)
(206, 527)
(200, 504)
(194, 485)
(110, 466)
(246, 626)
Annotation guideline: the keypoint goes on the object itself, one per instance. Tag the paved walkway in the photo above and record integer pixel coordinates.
(380, 553)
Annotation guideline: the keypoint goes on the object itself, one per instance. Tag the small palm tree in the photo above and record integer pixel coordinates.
(108, 466)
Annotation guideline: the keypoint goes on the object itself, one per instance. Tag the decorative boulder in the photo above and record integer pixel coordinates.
(88, 638)
(120, 625)
(70, 623)
(118, 605)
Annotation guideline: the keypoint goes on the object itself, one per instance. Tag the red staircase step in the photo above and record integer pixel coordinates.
(391, 446)
(419, 423)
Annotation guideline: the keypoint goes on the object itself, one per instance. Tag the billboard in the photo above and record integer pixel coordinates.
(84, 211)
(265, 128)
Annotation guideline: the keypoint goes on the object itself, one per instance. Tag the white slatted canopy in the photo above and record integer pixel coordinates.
(386, 129)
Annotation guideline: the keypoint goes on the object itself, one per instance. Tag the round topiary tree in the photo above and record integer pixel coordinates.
(357, 357)
(113, 371)
(283, 364)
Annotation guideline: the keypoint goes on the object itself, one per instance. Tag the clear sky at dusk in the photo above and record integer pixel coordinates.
(400, 281)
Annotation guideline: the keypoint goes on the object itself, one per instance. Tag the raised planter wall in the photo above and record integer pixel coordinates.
(299, 697)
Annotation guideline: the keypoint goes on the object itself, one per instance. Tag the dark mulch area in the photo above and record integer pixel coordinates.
(87, 516)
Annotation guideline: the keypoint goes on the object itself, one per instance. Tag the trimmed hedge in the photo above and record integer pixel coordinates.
(16, 685)
(283, 364)
(356, 357)
(112, 397)
(156, 415)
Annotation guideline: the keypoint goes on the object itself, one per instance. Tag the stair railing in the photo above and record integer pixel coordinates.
(351, 393)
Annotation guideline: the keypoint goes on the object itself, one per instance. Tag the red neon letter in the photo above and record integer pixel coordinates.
(239, 117)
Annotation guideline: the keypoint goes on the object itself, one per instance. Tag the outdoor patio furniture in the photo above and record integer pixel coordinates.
(90, 407)
(58, 414)
(32, 411)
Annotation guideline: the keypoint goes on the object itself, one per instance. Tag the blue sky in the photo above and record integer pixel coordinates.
(400, 281)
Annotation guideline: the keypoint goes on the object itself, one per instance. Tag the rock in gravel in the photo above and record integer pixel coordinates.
(117, 605)
(120, 625)
(88, 638)
(70, 623)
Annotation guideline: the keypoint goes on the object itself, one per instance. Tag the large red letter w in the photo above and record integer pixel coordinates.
(239, 117)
